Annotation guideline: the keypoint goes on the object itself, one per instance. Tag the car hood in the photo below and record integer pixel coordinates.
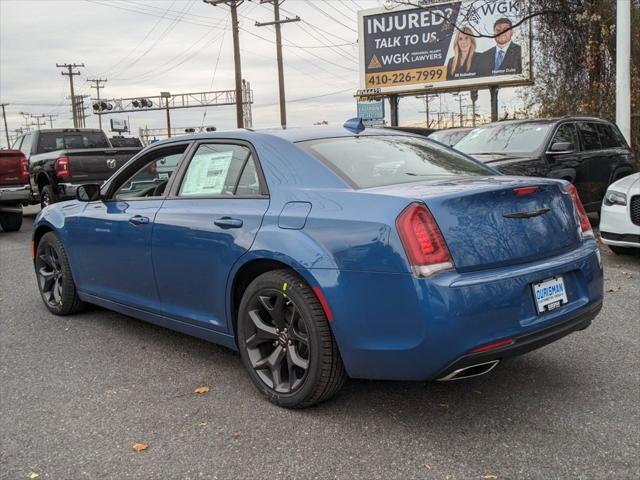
(627, 184)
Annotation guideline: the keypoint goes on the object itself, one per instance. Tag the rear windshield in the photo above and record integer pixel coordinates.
(374, 161)
(50, 141)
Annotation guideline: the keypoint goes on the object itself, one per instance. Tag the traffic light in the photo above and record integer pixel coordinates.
(210, 129)
(102, 106)
(189, 130)
(142, 103)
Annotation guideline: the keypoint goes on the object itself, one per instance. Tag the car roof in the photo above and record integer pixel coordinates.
(548, 120)
(293, 135)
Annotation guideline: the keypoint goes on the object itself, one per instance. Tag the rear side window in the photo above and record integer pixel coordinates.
(26, 144)
(220, 170)
(373, 161)
(51, 141)
(589, 134)
(608, 136)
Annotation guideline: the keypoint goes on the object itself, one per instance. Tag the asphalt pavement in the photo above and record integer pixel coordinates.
(76, 393)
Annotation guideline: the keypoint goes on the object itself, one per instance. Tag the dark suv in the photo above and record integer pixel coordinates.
(590, 152)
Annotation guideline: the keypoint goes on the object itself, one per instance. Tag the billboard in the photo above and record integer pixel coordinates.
(371, 112)
(440, 46)
(119, 125)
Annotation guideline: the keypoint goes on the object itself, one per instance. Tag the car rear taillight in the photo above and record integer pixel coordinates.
(422, 240)
(24, 170)
(585, 225)
(62, 167)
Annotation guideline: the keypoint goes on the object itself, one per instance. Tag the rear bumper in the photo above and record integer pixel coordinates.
(12, 197)
(398, 327)
(528, 342)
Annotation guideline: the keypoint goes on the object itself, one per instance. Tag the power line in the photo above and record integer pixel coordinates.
(155, 25)
(316, 7)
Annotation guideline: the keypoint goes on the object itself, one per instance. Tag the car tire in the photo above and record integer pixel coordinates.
(55, 281)
(286, 343)
(11, 221)
(47, 197)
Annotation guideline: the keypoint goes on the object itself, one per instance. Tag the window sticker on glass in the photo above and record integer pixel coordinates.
(207, 173)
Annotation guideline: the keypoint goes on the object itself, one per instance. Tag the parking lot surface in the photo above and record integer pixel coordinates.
(77, 392)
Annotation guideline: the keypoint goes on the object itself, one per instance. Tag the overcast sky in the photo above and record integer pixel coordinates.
(144, 47)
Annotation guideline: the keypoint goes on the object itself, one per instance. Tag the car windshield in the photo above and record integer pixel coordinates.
(449, 137)
(50, 141)
(373, 161)
(510, 138)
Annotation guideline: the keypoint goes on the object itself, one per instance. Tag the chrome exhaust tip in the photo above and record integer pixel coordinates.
(470, 371)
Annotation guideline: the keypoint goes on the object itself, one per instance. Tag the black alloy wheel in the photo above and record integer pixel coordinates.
(285, 341)
(277, 342)
(53, 273)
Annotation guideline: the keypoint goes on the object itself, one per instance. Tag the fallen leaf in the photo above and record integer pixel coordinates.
(478, 392)
(138, 447)
(236, 435)
(489, 477)
(427, 466)
(201, 390)
(203, 424)
(34, 475)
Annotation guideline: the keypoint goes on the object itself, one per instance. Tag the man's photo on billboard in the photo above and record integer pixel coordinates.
(464, 62)
(505, 57)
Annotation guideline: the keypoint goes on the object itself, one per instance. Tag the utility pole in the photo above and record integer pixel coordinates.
(277, 22)
(233, 6)
(38, 118)
(97, 86)
(459, 95)
(427, 97)
(51, 118)
(623, 68)
(70, 73)
(6, 129)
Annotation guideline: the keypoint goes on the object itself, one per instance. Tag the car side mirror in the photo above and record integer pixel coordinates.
(561, 148)
(88, 193)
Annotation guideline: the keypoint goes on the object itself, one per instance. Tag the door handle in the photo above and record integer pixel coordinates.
(139, 220)
(228, 222)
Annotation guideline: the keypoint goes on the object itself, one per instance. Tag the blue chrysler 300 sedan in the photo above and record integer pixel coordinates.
(326, 253)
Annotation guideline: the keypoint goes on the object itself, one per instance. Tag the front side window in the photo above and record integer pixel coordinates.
(566, 133)
(589, 134)
(150, 180)
(218, 169)
(373, 161)
(505, 139)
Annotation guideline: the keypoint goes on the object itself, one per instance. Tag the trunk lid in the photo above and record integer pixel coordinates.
(487, 225)
(10, 168)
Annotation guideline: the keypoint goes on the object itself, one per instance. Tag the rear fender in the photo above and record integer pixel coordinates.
(296, 251)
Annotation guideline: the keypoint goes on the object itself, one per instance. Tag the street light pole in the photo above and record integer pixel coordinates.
(167, 96)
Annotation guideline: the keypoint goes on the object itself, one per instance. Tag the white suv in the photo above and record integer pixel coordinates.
(620, 215)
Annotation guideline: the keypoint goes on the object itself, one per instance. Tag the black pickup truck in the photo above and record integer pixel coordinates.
(62, 159)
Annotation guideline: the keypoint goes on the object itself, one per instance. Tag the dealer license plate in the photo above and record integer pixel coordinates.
(550, 294)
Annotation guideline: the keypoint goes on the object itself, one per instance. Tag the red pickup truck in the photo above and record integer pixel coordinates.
(14, 188)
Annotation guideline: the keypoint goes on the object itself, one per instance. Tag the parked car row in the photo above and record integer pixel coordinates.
(46, 166)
